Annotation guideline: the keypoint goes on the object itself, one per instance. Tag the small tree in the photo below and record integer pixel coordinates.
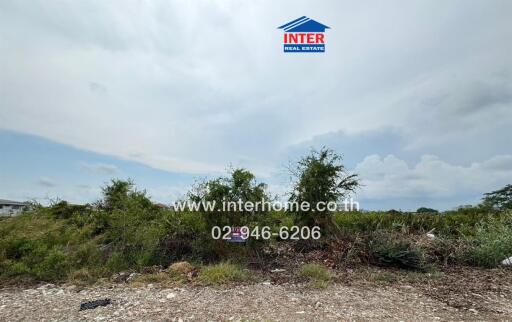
(130, 222)
(120, 194)
(425, 210)
(241, 186)
(499, 200)
(320, 177)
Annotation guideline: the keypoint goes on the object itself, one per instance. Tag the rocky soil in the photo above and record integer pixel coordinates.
(261, 301)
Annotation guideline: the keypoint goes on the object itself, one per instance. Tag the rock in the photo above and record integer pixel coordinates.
(507, 261)
(182, 268)
(431, 236)
(278, 270)
(171, 296)
(121, 277)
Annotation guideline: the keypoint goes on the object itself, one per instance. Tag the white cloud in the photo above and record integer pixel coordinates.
(193, 87)
(99, 168)
(392, 178)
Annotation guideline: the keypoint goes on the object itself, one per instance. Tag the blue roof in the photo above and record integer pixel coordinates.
(303, 24)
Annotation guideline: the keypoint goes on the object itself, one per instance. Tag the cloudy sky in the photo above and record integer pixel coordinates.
(417, 96)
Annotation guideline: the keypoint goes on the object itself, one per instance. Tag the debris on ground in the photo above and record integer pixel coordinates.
(94, 304)
(507, 261)
(430, 235)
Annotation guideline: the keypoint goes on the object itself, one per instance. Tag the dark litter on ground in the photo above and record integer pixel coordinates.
(94, 304)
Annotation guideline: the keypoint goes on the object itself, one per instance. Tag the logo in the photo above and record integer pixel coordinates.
(304, 35)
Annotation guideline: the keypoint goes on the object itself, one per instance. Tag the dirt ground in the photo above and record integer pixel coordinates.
(363, 295)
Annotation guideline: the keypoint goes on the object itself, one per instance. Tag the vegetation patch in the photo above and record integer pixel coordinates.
(222, 273)
(491, 243)
(392, 250)
(317, 275)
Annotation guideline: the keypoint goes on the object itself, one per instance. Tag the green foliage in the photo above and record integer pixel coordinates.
(317, 275)
(125, 231)
(491, 243)
(222, 273)
(320, 177)
(423, 210)
(393, 250)
(51, 243)
(237, 188)
(499, 200)
(121, 195)
(63, 210)
(452, 223)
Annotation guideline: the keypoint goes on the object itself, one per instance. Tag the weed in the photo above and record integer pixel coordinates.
(317, 275)
(222, 273)
(491, 243)
(393, 250)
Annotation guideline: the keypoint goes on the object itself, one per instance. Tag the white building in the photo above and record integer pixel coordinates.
(9, 208)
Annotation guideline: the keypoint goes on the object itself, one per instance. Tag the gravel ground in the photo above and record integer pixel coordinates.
(262, 301)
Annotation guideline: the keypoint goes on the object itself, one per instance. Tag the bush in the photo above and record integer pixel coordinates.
(317, 275)
(426, 210)
(320, 177)
(393, 250)
(491, 243)
(453, 223)
(222, 273)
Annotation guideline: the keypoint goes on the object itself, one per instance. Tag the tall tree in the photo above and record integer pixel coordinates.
(500, 199)
(320, 178)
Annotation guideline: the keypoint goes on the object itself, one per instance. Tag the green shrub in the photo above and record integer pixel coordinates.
(457, 223)
(54, 267)
(491, 243)
(444, 250)
(15, 268)
(393, 250)
(222, 273)
(317, 275)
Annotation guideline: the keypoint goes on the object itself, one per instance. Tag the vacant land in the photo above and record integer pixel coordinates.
(369, 294)
(157, 264)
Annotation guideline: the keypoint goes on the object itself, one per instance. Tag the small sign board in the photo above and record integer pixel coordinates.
(238, 235)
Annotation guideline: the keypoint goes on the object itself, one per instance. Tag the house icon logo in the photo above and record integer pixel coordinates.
(304, 35)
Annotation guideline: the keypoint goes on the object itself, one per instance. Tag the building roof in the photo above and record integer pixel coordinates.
(12, 203)
(304, 24)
